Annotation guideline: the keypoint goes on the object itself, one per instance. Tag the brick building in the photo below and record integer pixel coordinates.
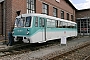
(83, 21)
(58, 8)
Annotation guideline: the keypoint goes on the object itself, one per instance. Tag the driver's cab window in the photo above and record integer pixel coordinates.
(19, 22)
(28, 21)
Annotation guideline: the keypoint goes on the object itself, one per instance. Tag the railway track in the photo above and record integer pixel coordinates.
(87, 58)
(12, 50)
(22, 48)
(82, 53)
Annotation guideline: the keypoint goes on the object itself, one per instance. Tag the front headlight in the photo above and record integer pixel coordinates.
(27, 33)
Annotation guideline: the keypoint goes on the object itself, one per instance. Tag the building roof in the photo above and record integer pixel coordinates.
(83, 10)
(67, 1)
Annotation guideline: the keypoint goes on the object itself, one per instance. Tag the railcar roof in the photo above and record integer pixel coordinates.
(43, 15)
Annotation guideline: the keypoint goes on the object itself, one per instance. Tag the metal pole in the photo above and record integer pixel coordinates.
(5, 20)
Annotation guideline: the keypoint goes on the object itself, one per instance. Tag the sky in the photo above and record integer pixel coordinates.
(81, 4)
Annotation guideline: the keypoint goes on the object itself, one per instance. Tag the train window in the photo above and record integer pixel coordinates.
(71, 25)
(53, 23)
(75, 25)
(19, 22)
(60, 24)
(64, 24)
(68, 26)
(36, 22)
(50, 23)
(28, 21)
(42, 22)
(56, 23)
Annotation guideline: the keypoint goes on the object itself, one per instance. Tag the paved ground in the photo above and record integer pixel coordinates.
(49, 52)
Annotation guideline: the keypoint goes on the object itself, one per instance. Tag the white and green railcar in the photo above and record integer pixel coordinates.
(39, 28)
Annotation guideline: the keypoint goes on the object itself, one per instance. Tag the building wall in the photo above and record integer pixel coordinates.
(83, 21)
(12, 6)
(18, 5)
(8, 15)
(83, 13)
(60, 6)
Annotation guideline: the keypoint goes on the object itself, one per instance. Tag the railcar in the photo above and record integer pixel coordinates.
(39, 28)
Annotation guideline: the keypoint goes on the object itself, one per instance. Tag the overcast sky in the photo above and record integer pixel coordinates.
(81, 4)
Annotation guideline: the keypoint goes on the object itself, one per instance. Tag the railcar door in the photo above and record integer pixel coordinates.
(43, 28)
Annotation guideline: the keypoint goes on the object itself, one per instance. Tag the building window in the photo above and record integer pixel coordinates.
(71, 17)
(45, 9)
(67, 16)
(31, 5)
(54, 12)
(62, 14)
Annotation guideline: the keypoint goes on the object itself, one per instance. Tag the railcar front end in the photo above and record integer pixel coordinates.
(22, 29)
